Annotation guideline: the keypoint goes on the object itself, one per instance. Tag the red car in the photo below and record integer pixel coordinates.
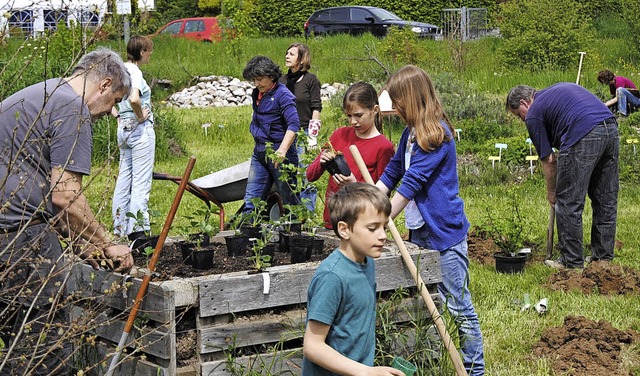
(204, 29)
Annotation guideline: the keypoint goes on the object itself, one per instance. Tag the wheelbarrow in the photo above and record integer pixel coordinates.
(224, 186)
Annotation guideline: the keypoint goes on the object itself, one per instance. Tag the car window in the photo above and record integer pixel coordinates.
(323, 16)
(360, 15)
(173, 28)
(340, 15)
(384, 14)
(194, 26)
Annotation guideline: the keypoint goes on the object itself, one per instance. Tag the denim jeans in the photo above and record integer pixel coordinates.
(454, 290)
(33, 303)
(588, 167)
(133, 187)
(309, 195)
(262, 176)
(625, 99)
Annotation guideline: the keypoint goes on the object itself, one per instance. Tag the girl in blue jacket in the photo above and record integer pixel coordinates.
(425, 164)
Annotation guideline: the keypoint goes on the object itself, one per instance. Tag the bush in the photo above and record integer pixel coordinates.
(543, 33)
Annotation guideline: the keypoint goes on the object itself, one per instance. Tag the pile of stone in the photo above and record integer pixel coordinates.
(220, 91)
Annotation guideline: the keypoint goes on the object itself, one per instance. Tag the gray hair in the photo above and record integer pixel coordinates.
(517, 94)
(102, 63)
(261, 66)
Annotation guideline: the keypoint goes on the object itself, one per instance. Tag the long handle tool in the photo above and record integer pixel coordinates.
(152, 265)
(550, 229)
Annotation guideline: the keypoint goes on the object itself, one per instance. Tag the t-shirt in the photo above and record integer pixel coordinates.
(620, 81)
(561, 115)
(36, 135)
(137, 82)
(376, 153)
(342, 294)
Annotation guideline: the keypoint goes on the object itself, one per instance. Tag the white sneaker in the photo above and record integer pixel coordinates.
(555, 264)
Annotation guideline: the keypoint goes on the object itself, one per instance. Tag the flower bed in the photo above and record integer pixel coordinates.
(256, 319)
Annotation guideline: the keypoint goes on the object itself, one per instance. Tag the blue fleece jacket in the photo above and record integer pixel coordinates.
(274, 116)
(432, 182)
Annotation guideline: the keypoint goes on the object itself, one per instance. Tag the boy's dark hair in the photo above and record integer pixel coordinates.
(353, 199)
(261, 66)
(136, 45)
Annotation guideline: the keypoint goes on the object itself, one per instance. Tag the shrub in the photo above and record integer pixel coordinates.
(543, 33)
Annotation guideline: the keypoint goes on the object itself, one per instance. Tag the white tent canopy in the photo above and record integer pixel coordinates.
(35, 16)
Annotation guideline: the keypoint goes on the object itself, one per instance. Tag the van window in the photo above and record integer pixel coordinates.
(173, 28)
(340, 15)
(194, 26)
(359, 15)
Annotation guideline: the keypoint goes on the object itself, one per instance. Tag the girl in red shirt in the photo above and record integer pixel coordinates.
(361, 106)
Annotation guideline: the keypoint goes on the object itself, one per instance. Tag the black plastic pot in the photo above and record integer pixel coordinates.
(300, 246)
(270, 249)
(203, 258)
(318, 245)
(338, 165)
(145, 241)
(186, 248)
(237, 245)
(201, 237)
(505, 263)
(251, 231)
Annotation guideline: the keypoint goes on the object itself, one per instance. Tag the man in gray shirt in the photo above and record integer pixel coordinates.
(45, 150)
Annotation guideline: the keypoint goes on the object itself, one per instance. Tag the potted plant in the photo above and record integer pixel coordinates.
(139, 243)
(237, 243)
(506, 232)
(337, 165)
(252, 222)
(198, 234)
(263, 251)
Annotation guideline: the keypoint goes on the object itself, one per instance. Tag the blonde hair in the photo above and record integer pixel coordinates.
(415, 100)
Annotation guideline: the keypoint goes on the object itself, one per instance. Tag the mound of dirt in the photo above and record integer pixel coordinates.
(585, 347)
(600, 277)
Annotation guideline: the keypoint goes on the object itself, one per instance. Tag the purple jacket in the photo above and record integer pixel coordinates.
(274, 116)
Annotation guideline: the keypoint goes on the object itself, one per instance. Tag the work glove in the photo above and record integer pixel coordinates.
(314, 131)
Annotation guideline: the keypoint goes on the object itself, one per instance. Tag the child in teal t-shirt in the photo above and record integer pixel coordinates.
(341, 302)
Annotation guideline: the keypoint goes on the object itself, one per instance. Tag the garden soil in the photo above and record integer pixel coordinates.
(170, 264)
(585, 347)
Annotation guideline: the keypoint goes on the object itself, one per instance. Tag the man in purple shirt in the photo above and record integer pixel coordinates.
(623, 91)
(571, 119)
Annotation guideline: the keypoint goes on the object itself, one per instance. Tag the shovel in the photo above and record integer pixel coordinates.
(550, 229)
(408, 261)
(152, 265)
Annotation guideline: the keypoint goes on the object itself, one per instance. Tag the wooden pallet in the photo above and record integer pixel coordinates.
(239, 311)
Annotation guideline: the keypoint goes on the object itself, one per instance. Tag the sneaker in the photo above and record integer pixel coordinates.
(587, 260)
(555, 264)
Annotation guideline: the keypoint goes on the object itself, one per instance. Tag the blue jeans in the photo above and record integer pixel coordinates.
(133, 187)
(263, 174)
(309, 195)
(588, 167)
(454, 290)
(625, 99)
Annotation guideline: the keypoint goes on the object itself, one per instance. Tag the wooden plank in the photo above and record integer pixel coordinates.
(252, 330)
(272, 328)
(286, 362)
(128, 366)
(240, 292)
(156, 342)
(105, 289)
